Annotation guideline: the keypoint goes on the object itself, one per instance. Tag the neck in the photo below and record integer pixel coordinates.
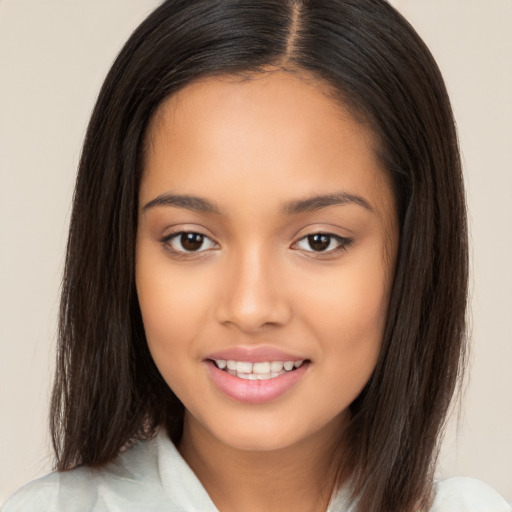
(298, 477)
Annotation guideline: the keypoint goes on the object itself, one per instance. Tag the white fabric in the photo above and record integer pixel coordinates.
(153, 477)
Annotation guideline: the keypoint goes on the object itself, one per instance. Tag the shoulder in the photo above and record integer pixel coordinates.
(122, 482)
(41, 493)
(463, 494)
(149, 476)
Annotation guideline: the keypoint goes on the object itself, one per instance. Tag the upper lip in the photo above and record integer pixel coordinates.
(254, 354)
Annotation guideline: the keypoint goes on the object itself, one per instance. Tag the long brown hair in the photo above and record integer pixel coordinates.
(107, 389)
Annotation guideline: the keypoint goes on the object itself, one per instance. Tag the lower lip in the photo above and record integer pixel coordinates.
(254, 391)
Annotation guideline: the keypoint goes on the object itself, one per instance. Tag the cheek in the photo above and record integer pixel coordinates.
(173, 308)
(348, 323)
(347, 313)
(351, 300)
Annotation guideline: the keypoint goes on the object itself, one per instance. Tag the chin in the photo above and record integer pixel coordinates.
(255, 442)
(277, 432)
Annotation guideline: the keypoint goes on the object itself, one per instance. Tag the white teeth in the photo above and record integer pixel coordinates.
(276, 366)
(257, 371)
(244, 367)
(260, 376)
(261, 368)
(247, 376)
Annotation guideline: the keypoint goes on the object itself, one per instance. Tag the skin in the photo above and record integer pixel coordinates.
(252, 146)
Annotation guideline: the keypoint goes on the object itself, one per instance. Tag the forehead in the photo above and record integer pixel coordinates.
(278, 132)
(268, 97)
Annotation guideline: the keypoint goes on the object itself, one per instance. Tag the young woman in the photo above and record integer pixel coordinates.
(265, 289)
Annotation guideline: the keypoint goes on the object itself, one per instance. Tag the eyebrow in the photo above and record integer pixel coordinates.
(194, 203)
(315, 203)
(310, 204)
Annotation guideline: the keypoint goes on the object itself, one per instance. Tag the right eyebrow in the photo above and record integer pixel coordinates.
(311, 204)
(194, 203)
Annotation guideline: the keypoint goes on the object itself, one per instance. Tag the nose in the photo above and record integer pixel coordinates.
(253, 295)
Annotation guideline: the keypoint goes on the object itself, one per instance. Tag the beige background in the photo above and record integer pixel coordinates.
(53, 57)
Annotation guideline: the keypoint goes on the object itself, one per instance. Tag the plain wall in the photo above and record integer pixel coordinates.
(54, 55)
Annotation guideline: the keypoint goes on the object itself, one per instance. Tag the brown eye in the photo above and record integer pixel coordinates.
(323, 243)
(319, 242)
(187, 242)
(191, 241)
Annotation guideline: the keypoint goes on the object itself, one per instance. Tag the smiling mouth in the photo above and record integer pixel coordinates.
(264, 370)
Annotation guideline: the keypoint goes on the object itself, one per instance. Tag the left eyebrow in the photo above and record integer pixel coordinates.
(194, 203)
(314, 203)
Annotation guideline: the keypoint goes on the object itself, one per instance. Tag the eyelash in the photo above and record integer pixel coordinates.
(343, 243)
(168, 240)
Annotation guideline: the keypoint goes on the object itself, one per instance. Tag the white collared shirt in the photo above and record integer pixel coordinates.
(152, 476)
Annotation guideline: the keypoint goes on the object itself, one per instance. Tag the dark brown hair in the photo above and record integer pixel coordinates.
(108, 391)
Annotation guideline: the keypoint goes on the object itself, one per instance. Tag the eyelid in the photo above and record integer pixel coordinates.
(167, 240)
(185, 227)
(343, 243)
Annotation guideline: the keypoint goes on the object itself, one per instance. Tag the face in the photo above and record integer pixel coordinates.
(265, 256)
